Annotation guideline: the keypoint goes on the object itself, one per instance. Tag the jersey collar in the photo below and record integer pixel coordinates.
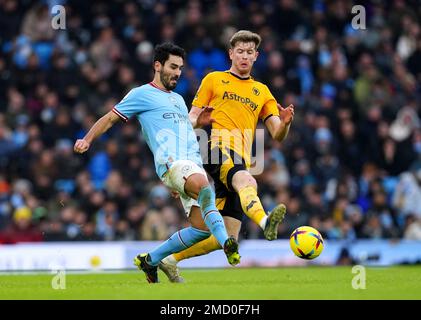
(238, 77)
(155, 86)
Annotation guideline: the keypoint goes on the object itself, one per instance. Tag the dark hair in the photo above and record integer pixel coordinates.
(163, 51)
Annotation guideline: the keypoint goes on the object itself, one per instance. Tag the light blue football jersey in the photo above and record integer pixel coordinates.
(165, 124)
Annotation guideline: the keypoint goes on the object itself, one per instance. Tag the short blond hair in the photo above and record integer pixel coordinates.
(245, 36)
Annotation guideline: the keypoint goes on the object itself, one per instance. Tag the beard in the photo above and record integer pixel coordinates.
(166, 79)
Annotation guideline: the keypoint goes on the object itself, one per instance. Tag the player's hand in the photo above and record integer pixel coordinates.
(286, 114)
(81, 146)
(204, 117)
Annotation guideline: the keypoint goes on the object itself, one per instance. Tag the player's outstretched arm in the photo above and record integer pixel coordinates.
(101, 126)
(279, 126)
(201, 117)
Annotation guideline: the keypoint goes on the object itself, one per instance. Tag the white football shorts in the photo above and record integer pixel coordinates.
(175, 178)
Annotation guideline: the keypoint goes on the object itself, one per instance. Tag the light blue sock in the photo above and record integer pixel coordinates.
(211, 215)
(177, 242)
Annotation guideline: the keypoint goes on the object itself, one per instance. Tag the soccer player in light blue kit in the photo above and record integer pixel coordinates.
(169, 134)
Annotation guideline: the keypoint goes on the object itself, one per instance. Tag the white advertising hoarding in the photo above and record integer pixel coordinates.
(254, 253)
(67, 256)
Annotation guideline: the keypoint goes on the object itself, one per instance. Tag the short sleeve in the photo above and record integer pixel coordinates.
(129, 106)
(204, 93)
(269, 108)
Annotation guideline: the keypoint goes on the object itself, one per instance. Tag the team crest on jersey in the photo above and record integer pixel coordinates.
(174, 102)
(186, 169)
(256, 91)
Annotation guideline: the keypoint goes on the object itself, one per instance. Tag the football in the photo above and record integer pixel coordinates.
(306, 242)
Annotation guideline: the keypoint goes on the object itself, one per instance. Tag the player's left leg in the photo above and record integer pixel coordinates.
(246, 187)
(169, 264)
(229, 206)
(190, 181)
(179, 241)
(235, 177)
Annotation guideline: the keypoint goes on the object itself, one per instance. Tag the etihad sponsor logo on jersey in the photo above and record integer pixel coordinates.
(236, 97)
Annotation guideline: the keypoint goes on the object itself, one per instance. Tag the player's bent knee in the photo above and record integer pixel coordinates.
(252, 182)
(195, 183)
(243, 179)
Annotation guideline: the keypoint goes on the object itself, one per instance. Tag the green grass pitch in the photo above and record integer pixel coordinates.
(402, 282)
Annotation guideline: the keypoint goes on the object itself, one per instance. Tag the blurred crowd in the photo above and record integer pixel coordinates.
(350, 167)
